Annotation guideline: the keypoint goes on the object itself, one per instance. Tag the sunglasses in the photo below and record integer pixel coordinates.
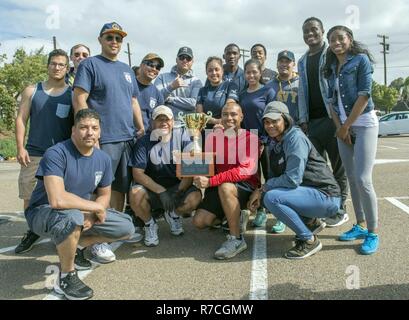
(111, 38)
(79, 54)
(185, 57)
(153, 65)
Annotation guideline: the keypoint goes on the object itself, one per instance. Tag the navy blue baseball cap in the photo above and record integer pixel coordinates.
(112, 27)
(286, 54)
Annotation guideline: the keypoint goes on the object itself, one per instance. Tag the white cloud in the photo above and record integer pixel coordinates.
(207, 26)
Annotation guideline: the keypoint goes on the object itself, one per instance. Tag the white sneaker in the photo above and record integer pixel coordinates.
(136, 237)
(175, 223)
(102, 253)
(230, 248)
(151, 235)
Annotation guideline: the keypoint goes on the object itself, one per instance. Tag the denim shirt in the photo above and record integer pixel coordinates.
(303, 97)
(355, 80)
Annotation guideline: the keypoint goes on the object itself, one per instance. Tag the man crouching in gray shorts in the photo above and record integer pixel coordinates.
(60, 206)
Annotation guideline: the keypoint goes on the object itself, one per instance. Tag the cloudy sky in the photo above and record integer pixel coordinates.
(163, 26)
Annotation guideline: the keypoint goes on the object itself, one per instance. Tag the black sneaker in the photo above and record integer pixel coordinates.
(27, 242)
(80, 262)
(225, 226)
(337, 220)
(73, 288)
(316, 225)
(303, 249)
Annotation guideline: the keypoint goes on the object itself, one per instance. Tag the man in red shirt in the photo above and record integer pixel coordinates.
(237, 152)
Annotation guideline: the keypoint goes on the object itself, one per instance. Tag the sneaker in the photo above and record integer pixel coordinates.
(136, 237)
(260, 219)
(357, 232)
(27, 242)
(217, 224)
(303, 249)
(316, 225)
(73, 288)
(370, 244)
(337, 220)
(244, 220)
(102, 253)
(151, 234)
(175, 223)
(279, 227)
(225, 225)
(230, 248)
(80, 262)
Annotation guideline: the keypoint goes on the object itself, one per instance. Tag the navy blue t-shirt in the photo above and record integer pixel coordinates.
(149, 98)
(214, 98)
(253, 105)
(111, 86)
(51, 120)
(156, 158)
(82, 174)
(237, 77)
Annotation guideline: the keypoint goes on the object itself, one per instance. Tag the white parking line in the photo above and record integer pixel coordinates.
(399, 204)
(386, 161)
(393, 148)
(5, 250)
(259, 281)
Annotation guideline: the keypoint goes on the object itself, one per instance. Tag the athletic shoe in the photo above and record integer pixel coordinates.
(102, 253)
(27, 242)
(225, 225)
(175, 222)
(370, 244)
(316, 225)
(136, 237)
(80, 262)
(357, 232)
(73, 288)
(230, 248)
(279, 227)
(338, 220)
(260, 219)
(151, 234)
(303, 249)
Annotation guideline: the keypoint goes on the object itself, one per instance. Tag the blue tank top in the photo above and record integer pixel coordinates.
(51, 120)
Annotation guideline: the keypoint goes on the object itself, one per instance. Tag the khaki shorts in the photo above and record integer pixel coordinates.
(27, 178)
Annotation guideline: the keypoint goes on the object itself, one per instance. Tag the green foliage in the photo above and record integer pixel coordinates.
(25, 69)
(385, 98)
(8, 148)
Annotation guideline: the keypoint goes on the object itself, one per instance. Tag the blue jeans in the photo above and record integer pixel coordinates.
(288, 205)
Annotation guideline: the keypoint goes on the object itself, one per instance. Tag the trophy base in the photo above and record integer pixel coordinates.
(195, 164)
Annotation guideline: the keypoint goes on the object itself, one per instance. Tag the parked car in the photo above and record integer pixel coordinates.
(394, 123)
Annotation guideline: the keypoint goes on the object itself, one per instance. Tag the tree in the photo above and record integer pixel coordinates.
(385, 98)
(25, 69)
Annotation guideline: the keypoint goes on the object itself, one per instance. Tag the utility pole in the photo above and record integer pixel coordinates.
(244, 55)
(55, 42)
(385, 52)
(129, 55)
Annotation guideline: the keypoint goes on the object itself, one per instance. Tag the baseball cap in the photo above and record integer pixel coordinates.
(275, 109)
(286, 54)
(162, 110)
(153, 56)
(185, 50)
(114, 28)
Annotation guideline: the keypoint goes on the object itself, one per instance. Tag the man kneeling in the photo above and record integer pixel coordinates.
(236, 178)
(60, 207)
(156, 187)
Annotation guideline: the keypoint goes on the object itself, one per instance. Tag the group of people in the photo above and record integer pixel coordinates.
(104, 137)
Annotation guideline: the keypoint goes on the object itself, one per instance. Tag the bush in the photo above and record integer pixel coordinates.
(8, 148)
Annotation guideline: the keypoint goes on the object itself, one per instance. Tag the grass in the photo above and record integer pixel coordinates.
(8, 148)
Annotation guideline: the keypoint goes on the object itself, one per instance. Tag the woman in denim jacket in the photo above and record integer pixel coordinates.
(349, 72)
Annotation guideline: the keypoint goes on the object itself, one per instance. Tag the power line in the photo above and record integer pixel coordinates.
(385, 52)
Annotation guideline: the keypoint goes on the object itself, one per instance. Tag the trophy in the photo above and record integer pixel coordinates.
(195, 163)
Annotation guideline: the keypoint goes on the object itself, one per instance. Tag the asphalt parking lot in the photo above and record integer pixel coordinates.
(184, 268)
